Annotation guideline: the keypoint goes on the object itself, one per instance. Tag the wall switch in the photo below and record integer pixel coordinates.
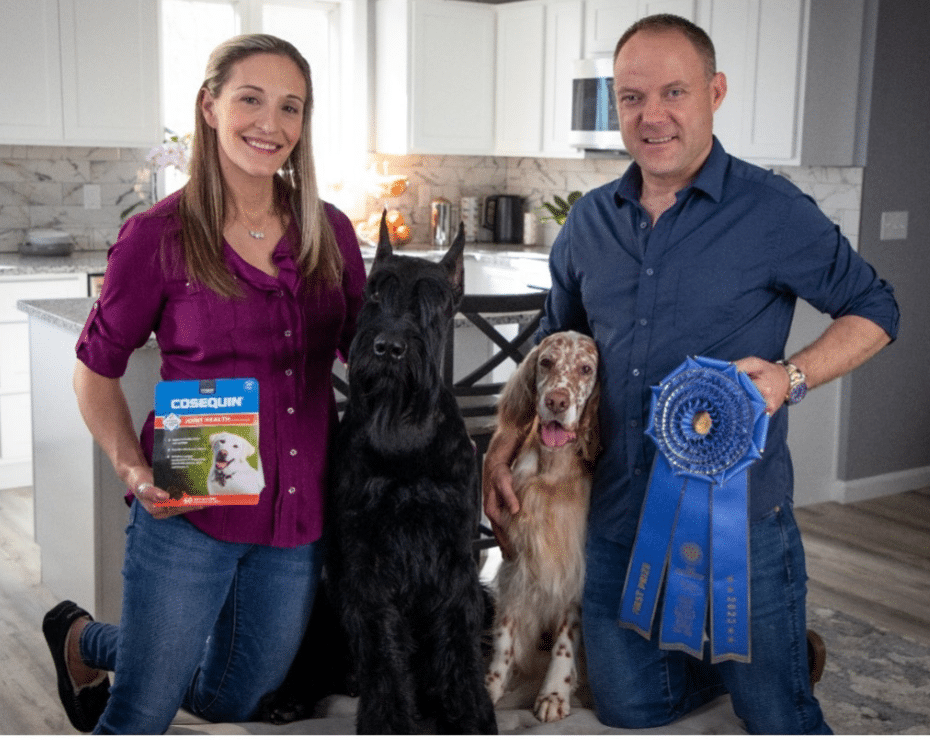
(92, 197)
(894, 225)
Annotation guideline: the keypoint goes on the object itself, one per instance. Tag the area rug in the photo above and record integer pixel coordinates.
(876, 682)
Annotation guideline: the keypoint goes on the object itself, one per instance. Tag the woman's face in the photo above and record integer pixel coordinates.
(258, 115)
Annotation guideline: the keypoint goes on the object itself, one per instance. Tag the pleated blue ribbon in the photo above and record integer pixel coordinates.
(709, 423)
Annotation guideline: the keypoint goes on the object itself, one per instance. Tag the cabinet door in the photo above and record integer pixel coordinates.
(604, 24)
(110, 72)
(30, 72)
(564, 36)
(520, 65)
(453, 92)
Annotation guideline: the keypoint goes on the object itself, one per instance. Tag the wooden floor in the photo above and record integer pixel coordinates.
(870, 560)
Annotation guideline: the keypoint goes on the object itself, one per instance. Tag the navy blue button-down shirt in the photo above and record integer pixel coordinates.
(718, 276)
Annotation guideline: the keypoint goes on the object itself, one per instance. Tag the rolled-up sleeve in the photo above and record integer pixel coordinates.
(826, 272)
(124, 316)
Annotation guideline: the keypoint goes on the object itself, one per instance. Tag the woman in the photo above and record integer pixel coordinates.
(243, 273)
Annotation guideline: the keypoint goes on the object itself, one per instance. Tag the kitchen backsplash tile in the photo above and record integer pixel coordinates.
(43, 187)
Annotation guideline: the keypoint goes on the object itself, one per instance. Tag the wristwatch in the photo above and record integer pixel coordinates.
(797, 383)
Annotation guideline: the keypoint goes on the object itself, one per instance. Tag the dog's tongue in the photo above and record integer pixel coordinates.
(221, 464)
(555, 435)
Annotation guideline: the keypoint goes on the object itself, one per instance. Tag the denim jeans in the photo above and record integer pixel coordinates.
(208, 625)
(637, 685)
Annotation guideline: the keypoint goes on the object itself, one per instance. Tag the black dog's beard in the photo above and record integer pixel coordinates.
(398, 399)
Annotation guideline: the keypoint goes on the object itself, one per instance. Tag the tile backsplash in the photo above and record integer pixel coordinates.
(44, 187)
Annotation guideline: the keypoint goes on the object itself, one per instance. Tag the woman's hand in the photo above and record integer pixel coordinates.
(149, 496)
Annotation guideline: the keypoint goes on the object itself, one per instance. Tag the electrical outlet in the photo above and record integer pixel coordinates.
(92, 197)
(894, 225)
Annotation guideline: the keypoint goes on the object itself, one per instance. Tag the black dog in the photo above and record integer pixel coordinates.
(404, 510)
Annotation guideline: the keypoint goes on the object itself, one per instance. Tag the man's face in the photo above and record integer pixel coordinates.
(666, 105)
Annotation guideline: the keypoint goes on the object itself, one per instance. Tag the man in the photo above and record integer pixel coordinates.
(693, 252)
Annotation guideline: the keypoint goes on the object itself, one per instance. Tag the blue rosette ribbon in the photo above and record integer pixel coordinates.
(709, 423)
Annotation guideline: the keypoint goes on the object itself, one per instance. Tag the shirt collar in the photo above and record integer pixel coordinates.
(709, 179)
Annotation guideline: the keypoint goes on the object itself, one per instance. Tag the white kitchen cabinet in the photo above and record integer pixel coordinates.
(15, 415)
(564, 38)
(537, 44)
(520, 73)
(434, 68)
(796, 87)
(92, 73)
(606, 20)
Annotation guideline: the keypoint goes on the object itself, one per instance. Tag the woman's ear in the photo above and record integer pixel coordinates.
(208, 108)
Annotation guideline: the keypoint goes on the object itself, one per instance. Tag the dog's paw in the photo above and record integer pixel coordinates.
(494, 683)
(551, 707)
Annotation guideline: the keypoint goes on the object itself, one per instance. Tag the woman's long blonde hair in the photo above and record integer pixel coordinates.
(204, 206)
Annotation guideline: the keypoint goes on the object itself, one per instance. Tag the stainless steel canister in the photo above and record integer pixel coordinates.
(441, 222)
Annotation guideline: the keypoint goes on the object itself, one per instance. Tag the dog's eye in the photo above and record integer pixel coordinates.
(546, 363)
(586, 370)
(374, 296)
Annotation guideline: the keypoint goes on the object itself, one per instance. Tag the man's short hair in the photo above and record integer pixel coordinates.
(668, 22)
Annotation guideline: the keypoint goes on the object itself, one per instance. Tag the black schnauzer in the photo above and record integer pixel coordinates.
(404, 510)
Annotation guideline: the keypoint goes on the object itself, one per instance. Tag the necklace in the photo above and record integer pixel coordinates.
(256, 233)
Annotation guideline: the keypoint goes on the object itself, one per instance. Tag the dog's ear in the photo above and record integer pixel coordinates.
(248, 449)
(384, 239)
(590, 425)
(454, 263)
(214, 437)
(517, 404)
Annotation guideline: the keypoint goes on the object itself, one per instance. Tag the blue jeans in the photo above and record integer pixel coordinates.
(636, 685)
(208, 625)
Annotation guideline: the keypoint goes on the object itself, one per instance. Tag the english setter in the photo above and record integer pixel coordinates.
(553, 395)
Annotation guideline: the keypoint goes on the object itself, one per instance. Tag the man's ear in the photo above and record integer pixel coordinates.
(718, 86)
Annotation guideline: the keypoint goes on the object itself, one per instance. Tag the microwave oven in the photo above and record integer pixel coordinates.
(595, 125)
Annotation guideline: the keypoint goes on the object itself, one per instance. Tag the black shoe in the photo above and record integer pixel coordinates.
(816, 657)
(84, 706)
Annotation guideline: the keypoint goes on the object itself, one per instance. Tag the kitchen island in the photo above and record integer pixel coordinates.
(80, 511)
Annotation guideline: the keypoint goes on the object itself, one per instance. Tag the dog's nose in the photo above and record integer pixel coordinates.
(390, 344)
(557, 400)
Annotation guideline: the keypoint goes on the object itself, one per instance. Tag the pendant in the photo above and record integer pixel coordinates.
(257, 234)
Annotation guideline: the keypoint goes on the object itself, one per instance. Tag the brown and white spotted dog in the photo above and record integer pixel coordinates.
(552, 397)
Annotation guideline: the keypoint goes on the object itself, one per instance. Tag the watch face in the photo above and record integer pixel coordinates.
(797, 393)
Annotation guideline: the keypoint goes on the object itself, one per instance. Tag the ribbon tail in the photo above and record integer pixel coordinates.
(649, 559)
(730, 608)
(684, 612)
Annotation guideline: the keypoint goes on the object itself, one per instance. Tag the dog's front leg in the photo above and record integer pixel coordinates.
(502, 663)
(554, 699)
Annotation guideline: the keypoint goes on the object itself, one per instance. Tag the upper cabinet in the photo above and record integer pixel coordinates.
(434, 69)
(80, 73)
(537, 43)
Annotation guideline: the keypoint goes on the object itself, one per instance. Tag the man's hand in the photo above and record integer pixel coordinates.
(500, 502)
(770, 378)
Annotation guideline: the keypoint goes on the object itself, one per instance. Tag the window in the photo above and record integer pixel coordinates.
(325, 32)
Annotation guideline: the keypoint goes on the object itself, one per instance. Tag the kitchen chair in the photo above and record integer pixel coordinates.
(477, 391)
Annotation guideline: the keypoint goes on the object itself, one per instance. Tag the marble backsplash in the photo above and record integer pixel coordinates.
(44, 187)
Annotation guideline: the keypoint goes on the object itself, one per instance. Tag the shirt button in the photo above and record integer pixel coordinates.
(634, 423)
(290, 410)
(637, 471)
(636, 373)
(643, 224)
(292, 490)
(287, 333)
(293, 453)
(643, 322)
(288, 372)
(650, 271)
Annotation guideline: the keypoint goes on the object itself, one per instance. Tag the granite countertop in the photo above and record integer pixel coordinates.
(93, 262)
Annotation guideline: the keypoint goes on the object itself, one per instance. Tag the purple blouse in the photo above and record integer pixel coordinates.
(281, 333)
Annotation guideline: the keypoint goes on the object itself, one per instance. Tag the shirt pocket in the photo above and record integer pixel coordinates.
(707, 299)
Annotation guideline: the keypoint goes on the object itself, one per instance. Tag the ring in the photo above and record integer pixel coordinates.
(142, 487)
